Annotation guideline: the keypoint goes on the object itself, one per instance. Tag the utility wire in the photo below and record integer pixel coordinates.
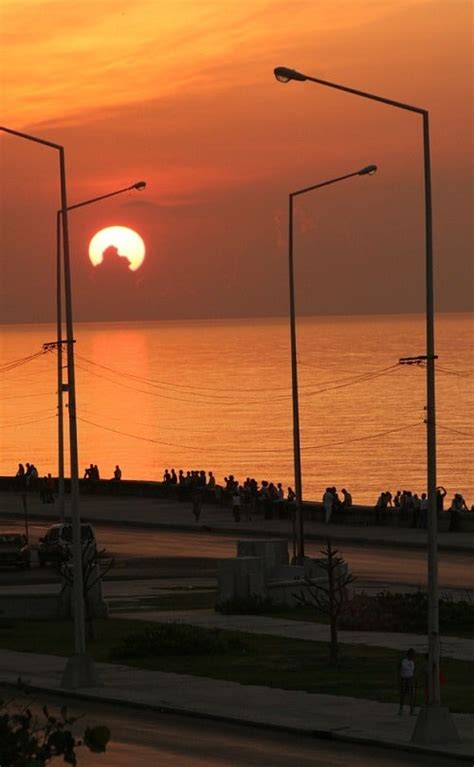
(228, 402)
(5, 367)
(458, 373)
(23, 396)
(193, 388)
(239, 451)
(361, 439)
(455, 431)
(26, 423)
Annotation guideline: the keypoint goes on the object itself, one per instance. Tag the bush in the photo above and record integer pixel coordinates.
(404, 612)
(28, 739)
(248, 606)
(176, 639)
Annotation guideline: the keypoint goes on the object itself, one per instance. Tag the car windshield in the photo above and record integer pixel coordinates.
(86, 533)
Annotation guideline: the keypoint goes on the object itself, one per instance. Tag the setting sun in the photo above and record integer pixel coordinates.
(122, 242)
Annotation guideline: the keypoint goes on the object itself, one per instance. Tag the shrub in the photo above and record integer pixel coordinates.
(403, 612)
(176, 639)
(249, 606)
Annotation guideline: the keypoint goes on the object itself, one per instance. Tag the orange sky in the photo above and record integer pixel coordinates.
(181, 93)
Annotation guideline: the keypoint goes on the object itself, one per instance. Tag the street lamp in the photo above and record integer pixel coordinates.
(368, 170)
(434, 723)
(80, 670)
(139, 185)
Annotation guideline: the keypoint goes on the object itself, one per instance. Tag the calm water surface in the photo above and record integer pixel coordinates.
(216, 395)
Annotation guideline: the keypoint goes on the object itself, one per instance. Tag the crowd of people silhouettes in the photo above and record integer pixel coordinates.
(269, 498)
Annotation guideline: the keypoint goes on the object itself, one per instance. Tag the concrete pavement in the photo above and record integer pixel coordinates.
(176, 515)
(330, 716)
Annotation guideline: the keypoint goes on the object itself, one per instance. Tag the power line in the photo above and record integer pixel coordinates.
(239, 451)
(361, 439)
(458, 373)
(456, 431)
(26, 423)
(346, 380)
(6, 367)
(23, 396)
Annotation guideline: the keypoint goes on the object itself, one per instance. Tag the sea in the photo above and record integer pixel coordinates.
(216, 395)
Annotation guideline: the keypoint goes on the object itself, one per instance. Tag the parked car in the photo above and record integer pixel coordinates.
(14, 550)
(56, 545)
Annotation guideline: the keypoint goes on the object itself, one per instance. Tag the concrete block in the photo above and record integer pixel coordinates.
(273, 551)
(240, 579)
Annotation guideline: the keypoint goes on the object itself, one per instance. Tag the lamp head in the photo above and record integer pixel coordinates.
(284, 75)
(369, 170)
(140, 185)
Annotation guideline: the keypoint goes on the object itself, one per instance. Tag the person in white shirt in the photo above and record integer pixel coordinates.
(407, 681)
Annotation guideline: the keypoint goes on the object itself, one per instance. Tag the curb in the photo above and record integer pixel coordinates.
(351, 539)
(293, 730)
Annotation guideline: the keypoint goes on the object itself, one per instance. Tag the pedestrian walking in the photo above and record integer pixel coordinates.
(197, 504)
(236, 501)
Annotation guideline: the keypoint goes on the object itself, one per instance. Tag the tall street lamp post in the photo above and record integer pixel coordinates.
(139, 185)
(434, 723)
(80, 670)
(367, 171)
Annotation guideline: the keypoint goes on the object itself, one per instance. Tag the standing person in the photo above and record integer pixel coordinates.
(416, 511)
(440, 495)
(197, 505)
(380, 508)
(20, 477)
(49, 488)
(117, 474)
(407, 681)
(236, 503)
(328, 502)
(423, 511)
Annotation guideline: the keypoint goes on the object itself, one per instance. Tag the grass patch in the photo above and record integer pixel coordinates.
(292, 664)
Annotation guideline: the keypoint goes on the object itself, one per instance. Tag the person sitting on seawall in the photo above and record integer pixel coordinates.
(458, 505)
(346, 502)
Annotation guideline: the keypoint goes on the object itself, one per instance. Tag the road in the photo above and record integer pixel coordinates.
(165, 553)
(142, 738)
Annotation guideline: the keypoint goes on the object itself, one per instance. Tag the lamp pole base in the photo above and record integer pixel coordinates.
(435, 724)
(80, 671)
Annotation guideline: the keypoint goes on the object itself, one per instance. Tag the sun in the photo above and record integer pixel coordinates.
(127, 242)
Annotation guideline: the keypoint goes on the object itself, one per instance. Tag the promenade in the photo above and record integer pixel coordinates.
(177, 515)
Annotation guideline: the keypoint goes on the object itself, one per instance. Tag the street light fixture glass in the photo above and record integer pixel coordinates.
(369, 170)
(284, 75)
(139, 185)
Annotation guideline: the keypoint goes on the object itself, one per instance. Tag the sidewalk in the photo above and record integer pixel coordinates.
(176, 515)
(329, 716)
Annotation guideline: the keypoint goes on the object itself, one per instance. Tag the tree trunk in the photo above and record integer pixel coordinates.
(333, 647)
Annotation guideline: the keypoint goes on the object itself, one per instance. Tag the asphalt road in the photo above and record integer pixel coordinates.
(165, 553)
(143, 738)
